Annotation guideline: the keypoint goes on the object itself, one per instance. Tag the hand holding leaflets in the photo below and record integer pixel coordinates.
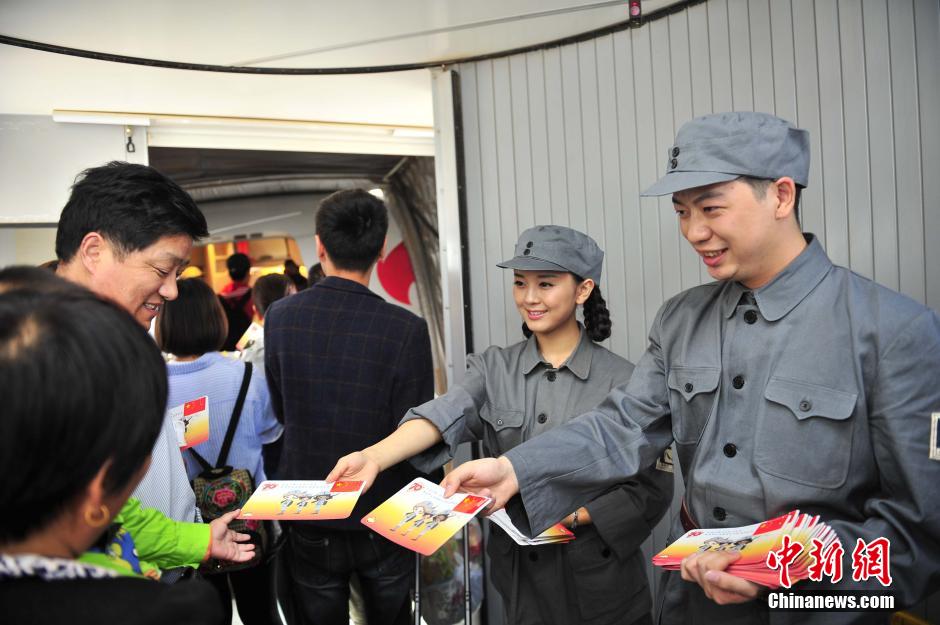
(774, 553)
(358, 465)
(421, 518)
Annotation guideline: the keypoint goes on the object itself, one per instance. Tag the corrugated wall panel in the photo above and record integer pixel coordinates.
(912, 114)
(927, 36)
(571, 135)
(881, 145)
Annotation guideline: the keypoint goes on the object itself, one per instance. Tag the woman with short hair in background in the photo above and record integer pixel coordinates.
(193, 328)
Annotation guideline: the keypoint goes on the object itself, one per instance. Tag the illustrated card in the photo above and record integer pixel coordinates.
(753, 541)
(191, 422)
(302, 500)
(251, 336)
(420, 518)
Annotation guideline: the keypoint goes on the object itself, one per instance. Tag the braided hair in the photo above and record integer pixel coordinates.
(596, 316)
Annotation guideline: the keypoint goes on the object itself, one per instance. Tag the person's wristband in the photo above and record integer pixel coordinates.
(574, 520)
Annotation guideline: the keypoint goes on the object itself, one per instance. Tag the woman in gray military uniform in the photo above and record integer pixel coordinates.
(513, 393)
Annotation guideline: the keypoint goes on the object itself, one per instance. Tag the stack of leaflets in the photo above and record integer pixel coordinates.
(558, 533)
(302, 500)
(755, 542)
(420, 518)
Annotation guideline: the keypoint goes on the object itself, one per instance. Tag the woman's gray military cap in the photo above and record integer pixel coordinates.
(557, 248)
(724, 146)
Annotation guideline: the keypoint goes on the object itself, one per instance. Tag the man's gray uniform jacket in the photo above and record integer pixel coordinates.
(814, 393)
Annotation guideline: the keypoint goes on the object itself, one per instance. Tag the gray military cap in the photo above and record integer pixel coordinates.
(556, 248)
(724, 146)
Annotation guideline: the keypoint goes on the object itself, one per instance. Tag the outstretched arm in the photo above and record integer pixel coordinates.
(410, 438)
(436, 427)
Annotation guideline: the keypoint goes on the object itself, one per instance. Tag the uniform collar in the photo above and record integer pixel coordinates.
(788, 288)
(579, 362)
(342, 284)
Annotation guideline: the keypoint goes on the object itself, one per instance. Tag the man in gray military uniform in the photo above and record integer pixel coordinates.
(788, 383)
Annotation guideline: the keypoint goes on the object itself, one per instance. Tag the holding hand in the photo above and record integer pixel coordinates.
(358, 465)
(707, 570)
(226, 544)
(490, 477)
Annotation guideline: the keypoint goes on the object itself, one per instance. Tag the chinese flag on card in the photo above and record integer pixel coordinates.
(470, 504)
(194, 406)
(345, 487)
(772, 525)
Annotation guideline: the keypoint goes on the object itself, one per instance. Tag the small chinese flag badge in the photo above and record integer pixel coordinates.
(194, 406)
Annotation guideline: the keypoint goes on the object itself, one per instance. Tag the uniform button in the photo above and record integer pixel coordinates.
(542, 418)
(731, 450)
(738, 381)
(499, 422)
(806, 405)
(526, 252)
(534, 557)
(675, 151)
(605, 552)
(529, 244)
(674, 163)
(750, 317)
(551, 376)
(688, 387)
(719, 513)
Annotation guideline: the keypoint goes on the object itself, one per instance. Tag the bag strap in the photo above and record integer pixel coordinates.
(236, 414)
(202, 461)
(232, 425)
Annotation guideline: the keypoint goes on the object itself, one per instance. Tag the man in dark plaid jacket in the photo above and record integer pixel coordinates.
(343, 367)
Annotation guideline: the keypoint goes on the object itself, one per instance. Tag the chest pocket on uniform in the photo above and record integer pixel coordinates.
(805, 434)
(691, 399)
(503, 428)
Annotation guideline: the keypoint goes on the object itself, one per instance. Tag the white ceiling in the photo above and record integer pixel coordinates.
(286, 33)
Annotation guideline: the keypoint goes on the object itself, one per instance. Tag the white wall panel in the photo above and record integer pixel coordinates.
(41, 159)
(571, 136)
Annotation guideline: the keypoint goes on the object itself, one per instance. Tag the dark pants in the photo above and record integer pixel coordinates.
(582, 582)
(254, 594)
(316, 567)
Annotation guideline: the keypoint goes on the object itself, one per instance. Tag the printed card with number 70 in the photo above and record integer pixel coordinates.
(302, 500)
(420, 518)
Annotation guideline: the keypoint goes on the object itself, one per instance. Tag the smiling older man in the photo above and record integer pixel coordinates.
(126, 233)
